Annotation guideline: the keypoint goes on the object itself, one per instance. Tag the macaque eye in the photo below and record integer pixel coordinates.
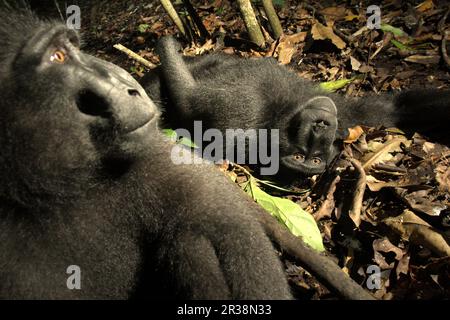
(299, 157)
(59, 56)
(316, 161)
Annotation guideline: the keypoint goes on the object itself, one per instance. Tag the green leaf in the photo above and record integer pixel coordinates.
(297, 220)
(396, 31)
(332, 86)
(187, 142)
(401, 46)
(172, 135)
(219, 11)
(142, 28)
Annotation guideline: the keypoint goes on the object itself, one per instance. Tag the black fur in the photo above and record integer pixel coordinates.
(227, 92)
(87, 180)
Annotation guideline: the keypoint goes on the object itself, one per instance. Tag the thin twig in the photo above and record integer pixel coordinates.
(135, 56)
(444, 48)
(197, 21)
(441, 28)
(441, 24)
(347, 38)
(389, 168)
(174, 16)
(386, 41)
(59, 10)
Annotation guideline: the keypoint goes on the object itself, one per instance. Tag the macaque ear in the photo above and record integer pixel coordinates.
(322, 103)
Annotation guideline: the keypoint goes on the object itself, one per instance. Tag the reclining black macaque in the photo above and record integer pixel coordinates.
(87, 180)
(88, 186)
(227, 92)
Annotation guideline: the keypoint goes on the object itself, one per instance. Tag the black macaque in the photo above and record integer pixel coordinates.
(87, 180)
(227, 92)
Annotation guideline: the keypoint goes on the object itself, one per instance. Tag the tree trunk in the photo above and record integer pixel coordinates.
(273, 18)
(251, 23)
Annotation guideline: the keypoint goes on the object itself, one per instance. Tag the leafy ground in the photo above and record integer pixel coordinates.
(386, 201)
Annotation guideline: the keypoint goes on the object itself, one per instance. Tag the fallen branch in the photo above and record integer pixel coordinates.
(322, 267)
(319, 265)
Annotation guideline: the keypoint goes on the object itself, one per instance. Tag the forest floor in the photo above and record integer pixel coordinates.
(401, 226)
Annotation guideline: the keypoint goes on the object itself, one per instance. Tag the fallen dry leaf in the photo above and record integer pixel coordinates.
(321, 32)
(287, 46)
(354, 63)
(423, 59)
(327, 207)
(195, 50)
(424, 6)
(332, 14)
(354, 134)
(423, 201)
(383, 153)
(385, 246)
(410, 227)
(403, 265)
(443, 177)
(376, 185)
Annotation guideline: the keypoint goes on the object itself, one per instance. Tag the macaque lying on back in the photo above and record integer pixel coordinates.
(226, 92)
